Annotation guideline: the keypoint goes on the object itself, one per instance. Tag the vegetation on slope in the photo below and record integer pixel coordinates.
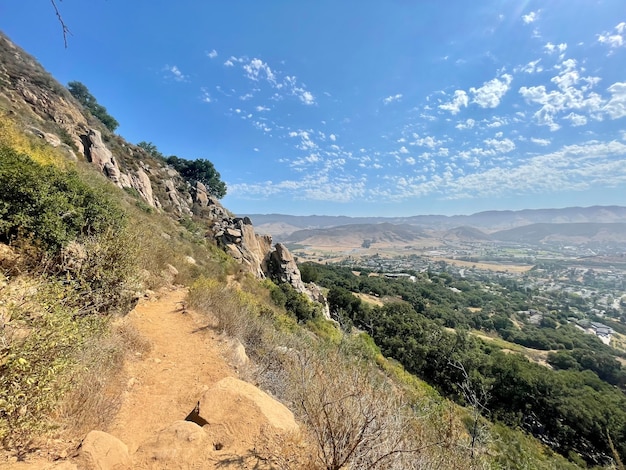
(577, 412)
(74, 251)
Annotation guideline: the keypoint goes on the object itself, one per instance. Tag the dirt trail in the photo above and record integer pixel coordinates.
(167, 382)
(187, 364)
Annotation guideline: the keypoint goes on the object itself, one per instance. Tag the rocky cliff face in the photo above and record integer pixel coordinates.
(51, 113)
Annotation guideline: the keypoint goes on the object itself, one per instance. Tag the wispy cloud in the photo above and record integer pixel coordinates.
(206, 96)
(542, 142)
(212, 54)
(532, 67)
(175, 73)
(258, 71)
(616, 106)
(392, 98)
(531, 17)
(555, 48)
(616, 38)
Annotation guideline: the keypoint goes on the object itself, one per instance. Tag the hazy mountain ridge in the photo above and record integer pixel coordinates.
(359, 234)
(489, 221)
(574, 233)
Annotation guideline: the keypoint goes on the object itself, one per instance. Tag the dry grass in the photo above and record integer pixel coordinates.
(95, 395)
(509, 268)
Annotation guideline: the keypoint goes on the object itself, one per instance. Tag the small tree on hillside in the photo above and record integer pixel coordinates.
(200, 170)
(82, 94)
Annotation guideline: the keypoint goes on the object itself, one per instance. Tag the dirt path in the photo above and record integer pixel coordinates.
(164, 386)
(242, 427)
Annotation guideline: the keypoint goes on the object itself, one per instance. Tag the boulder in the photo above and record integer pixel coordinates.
(200, 195)
(182, 444)
(141, 182)
(102, 451)
(96, 152)
(238, 412)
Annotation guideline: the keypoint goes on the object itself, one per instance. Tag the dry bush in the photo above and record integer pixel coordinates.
(356, 418)
(95, 396)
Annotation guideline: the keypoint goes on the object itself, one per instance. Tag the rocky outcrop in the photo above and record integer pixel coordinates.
(200, 194)
(283, 267)
(236, 235)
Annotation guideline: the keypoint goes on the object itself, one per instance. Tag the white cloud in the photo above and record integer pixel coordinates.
(614, 40)
(175, 73)
(212, 54)
(490, 94)
(305, 96)
(262, 108)
(256, 69)
(531, 17)
(410, 160)
(468, 124)
(573, 167)
(427, 141)
(403, 150)
(332, 137)
(542, 142)
(460, 100)
(577, 120)
(500, 146)
(392, 98)
(616, 107)
(206, 96)
(306, 143)
(573, 93)
(552, 48)
(532, 67)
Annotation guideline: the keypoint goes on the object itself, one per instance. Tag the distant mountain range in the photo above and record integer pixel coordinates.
(281, 226)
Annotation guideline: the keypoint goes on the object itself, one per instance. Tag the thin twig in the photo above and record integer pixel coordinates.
(65, 28)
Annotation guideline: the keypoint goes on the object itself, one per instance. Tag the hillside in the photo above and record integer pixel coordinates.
(145, 326)
(358, 235)
(489, 221)
(569, 234)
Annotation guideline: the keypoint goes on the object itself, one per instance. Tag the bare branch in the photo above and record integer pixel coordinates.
(64, 26)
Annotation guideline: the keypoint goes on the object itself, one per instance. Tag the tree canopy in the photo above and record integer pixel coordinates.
(82, 94)
(200, 170)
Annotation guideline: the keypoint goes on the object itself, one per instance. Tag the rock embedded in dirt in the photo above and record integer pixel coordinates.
(182, 444)
(102, 451)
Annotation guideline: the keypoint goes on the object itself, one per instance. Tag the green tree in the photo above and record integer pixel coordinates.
(82, 94)
(151, 149)
(201, 170)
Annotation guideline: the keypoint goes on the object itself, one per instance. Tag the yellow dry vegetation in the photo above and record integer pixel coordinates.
(370, 299)
(511, 268)
(11, 136)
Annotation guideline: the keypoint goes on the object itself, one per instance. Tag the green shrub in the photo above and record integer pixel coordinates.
(33, 372)
(49, 206)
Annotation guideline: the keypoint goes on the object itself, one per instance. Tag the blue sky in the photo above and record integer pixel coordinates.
(360, 107)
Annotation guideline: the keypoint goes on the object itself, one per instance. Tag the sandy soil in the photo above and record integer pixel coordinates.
(166, 384)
